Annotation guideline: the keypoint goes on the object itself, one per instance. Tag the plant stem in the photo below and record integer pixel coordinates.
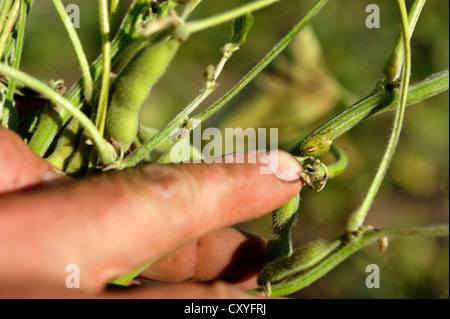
(276, 50)
(106, 53)
(3, 13)
(310, 275)
(123, 280)
(9, 26)
(100, 112)
(199, 25)
(5, 113)
(190, 6)
(106, 152)
(381, 98)
(392, 70)
(210, 85)
(375, 103)
(358, 217)
(88, 84)
(113, 12)
(146, 147)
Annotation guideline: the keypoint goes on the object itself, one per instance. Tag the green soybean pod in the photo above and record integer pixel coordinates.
(78, 162)
(66, 145)
(279, 244)
(132, 87)
(303, 257)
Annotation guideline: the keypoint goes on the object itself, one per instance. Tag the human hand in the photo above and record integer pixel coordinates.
(112, 223)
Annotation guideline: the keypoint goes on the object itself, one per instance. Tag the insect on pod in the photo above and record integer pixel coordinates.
(315, 145)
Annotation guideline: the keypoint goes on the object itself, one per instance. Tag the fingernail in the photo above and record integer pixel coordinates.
(284, 166)
(51, 175)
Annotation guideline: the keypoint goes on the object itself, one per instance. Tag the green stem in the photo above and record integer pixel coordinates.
(106, 52)
(357, 218)
(277, 49)
(125, 279)
(393, 68)
(3, 13)
(150, 144)
(8, 51)
(199, 25)
(335, 169)
(212, 75)
(100, 113)
(9, 26)
(375, 103)
(190, 6)
(88, 84)
(310, 275)
(106, 153)
(5, 113)
(113, 12)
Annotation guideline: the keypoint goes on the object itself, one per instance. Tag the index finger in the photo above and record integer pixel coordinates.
(111, 223)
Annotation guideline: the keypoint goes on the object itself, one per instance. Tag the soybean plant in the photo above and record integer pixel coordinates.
(95, 126)
(313, 259)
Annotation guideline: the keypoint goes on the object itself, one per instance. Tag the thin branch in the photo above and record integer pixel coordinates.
(199, 25)
(358, 217)
(106, 52)
(88, 83)
(277, 49)
(9, 25)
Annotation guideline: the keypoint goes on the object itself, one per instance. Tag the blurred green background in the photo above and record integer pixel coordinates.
(331, 65)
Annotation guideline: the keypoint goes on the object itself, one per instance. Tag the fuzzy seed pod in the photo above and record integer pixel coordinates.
(131, 89)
